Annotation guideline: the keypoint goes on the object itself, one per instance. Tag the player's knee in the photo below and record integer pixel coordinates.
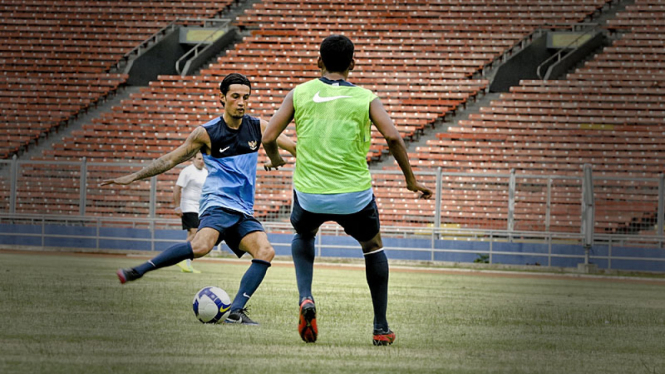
(200, 251)
(372, 245)
(265, 252)
(201, 247)
(305, 235)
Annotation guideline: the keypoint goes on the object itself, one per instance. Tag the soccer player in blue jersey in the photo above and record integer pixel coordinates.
(331, 180)
(230, 145)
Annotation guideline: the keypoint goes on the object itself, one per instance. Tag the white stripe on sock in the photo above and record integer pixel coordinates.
(373, 252)
(151, 263)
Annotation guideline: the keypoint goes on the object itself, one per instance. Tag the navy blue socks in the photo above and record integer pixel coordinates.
(170, 256)
(376, 271)
(249, 283)
(302, 250)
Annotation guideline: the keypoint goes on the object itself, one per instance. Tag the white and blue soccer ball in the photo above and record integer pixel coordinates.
(211, 305)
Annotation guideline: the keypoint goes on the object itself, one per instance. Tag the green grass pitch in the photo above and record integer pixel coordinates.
(69, 314)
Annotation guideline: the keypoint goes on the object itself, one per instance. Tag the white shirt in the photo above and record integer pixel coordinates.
(191, 180)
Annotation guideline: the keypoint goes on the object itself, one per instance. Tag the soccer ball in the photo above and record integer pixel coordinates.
(211, 305)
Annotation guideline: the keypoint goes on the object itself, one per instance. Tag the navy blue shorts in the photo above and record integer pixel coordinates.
(231, 225)
(362, 225)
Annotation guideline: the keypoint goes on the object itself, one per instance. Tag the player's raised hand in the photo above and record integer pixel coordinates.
(425, 193)
(127, 179)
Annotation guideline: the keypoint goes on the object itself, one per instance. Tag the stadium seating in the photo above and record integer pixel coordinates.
(420, 58)
(56, 57)
(608, 113)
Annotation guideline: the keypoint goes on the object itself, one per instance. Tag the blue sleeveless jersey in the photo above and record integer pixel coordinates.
(231, 165)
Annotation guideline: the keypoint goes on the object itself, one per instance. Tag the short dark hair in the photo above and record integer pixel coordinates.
(233, 78)
(336, 53)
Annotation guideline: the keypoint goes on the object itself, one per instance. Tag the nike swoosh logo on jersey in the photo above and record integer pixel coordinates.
(319, 99)
(222, 150)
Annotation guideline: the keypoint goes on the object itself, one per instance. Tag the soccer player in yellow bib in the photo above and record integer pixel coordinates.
(331, 180)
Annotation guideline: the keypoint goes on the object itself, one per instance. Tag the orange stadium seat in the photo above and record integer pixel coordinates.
(607, 113)
(64, 50)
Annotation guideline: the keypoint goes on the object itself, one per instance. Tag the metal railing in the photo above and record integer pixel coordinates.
(588, 28)
(510, 201)
(498, 218)
(125, 62)
(423, 244)
(181, 64)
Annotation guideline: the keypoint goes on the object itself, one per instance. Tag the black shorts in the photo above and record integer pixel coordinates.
(190, 221)
(362, 225)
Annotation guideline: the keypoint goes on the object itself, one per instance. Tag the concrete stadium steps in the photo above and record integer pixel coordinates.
(57, 56)
(607, 113)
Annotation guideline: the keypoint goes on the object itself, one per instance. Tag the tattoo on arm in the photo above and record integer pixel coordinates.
(191, 152)
(167, 162)
(156, 167)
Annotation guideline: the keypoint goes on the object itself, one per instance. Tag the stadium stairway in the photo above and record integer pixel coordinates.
(76, 124)
(57, 56)
(452, 119)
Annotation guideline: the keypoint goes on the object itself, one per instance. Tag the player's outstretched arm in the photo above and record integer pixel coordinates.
(385, 125)
(272, 133)
(283, 141)
(194, 142)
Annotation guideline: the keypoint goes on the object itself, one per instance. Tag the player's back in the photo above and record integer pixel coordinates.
(333, 129)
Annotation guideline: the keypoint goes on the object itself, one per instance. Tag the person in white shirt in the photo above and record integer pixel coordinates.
(186, 196)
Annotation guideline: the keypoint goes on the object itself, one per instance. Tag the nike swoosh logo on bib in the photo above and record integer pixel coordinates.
(319, 99)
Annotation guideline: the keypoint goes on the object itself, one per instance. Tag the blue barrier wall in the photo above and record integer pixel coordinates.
(515, 253)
